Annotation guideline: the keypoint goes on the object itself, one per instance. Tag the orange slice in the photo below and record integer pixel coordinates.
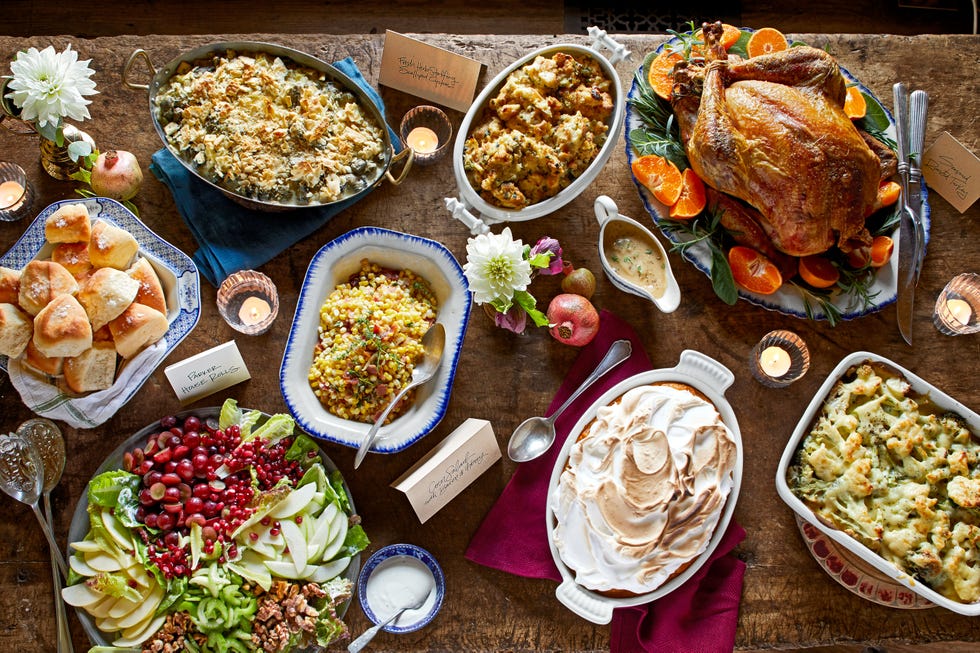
(729, 35)
(888, 192)
(753, 271)
(692, 199)
(818, 271)
(881, 250)
(855, 106)
(765, 41)
(660, 176)
(661, 72)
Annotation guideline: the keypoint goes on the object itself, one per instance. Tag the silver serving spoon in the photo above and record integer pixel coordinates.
(433, 343)
(417, 602)
(535, 435)
(50, 445)
(22, 477)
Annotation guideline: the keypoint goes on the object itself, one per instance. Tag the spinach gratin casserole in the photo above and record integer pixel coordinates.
(268, 129)
(892, 470)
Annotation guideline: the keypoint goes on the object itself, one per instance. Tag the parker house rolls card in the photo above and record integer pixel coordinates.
(208, 372)
(450, 467)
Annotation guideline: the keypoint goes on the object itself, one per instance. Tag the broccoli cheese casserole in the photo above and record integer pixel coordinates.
(369, 340)
(540, 132)
(271, 130)
(892, 470)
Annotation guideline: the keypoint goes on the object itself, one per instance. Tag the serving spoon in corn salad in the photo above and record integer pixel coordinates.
(433, 343)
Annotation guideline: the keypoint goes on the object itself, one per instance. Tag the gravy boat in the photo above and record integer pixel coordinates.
(607, 213)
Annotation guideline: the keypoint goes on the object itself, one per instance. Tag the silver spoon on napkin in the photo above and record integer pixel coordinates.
(535, 435)
(433, 343)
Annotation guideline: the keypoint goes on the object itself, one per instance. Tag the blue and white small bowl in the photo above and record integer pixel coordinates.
(383, 575)
(333, 265)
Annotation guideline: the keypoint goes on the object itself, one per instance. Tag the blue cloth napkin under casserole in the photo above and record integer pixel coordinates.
(232, 237)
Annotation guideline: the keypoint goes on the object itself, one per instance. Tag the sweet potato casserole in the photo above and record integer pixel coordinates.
(540, 132)
(890, 469)
(271, 130)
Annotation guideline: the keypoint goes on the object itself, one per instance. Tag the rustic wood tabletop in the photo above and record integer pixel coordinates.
(788, 601)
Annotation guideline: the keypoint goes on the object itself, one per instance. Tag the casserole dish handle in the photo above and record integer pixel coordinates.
(582, 603)
(461, 212)
(705, 369)
(600, 37)
(138, 53)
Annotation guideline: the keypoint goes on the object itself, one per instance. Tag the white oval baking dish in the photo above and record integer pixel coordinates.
(709, 377)
(470, 200)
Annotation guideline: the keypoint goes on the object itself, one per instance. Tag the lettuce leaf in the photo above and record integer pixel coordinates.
(337, 483)
(300, 450)
(275, 428)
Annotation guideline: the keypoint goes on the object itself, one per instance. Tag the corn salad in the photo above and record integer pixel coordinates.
(370, 338)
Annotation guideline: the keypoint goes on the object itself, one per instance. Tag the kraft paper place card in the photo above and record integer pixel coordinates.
(429, 72)
(953, 171)
(450, 467)
(208, 372)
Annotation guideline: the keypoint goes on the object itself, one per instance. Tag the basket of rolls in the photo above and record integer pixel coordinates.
(91, 301)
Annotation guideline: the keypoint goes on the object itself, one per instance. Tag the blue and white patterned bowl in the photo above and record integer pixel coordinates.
(178, 276)
(389, 555)
(332, 265)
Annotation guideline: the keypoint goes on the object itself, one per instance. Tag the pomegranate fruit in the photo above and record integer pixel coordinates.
(116, 174)
(572, 319)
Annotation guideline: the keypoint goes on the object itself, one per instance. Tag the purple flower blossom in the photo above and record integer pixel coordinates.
(550, 248)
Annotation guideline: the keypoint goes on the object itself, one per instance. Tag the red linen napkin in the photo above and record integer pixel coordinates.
(698, 617)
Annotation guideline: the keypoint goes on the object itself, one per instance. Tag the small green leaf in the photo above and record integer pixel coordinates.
(721, 277)
(79, 150)
(526, 301)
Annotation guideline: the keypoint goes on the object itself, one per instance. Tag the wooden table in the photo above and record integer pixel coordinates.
(788, 601)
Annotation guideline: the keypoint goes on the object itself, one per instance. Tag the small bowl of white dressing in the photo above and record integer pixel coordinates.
(392, 577)
(633, 258)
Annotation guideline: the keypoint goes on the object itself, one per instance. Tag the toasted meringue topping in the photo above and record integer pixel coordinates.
(643, 492)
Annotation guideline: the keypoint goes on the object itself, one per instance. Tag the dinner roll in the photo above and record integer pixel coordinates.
(93, 369)
(151, 290)
(9, 285)
(111, 247)
(44, 364)
(41, 282)
(62, 328)
(73, 257)
(137, 327)
(106, 294)
(16, 330)
(69, 224)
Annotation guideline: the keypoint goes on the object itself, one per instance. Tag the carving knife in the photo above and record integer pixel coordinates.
(918, 108)
(907, 237)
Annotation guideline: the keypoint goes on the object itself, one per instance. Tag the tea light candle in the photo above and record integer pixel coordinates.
(774, 361)
(11, 195)
(959, 310)
(780, 358)
(16, 192)
(426, 130)
(249, 302)
(422, 140)
(958, 306)
(254, 309)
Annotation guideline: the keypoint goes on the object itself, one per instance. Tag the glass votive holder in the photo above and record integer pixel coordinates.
(16, 192)
(957, 310)
(249, 302)
(780, 358)
(427, 130)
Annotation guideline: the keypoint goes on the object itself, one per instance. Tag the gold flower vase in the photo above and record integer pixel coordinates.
(55, 159)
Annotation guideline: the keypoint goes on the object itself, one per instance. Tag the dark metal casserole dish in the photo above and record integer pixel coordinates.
(204, 55)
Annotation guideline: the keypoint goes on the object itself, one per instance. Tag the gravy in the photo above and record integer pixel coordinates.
(635, 257)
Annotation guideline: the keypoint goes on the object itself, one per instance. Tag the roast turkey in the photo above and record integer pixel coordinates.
(771, 131)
